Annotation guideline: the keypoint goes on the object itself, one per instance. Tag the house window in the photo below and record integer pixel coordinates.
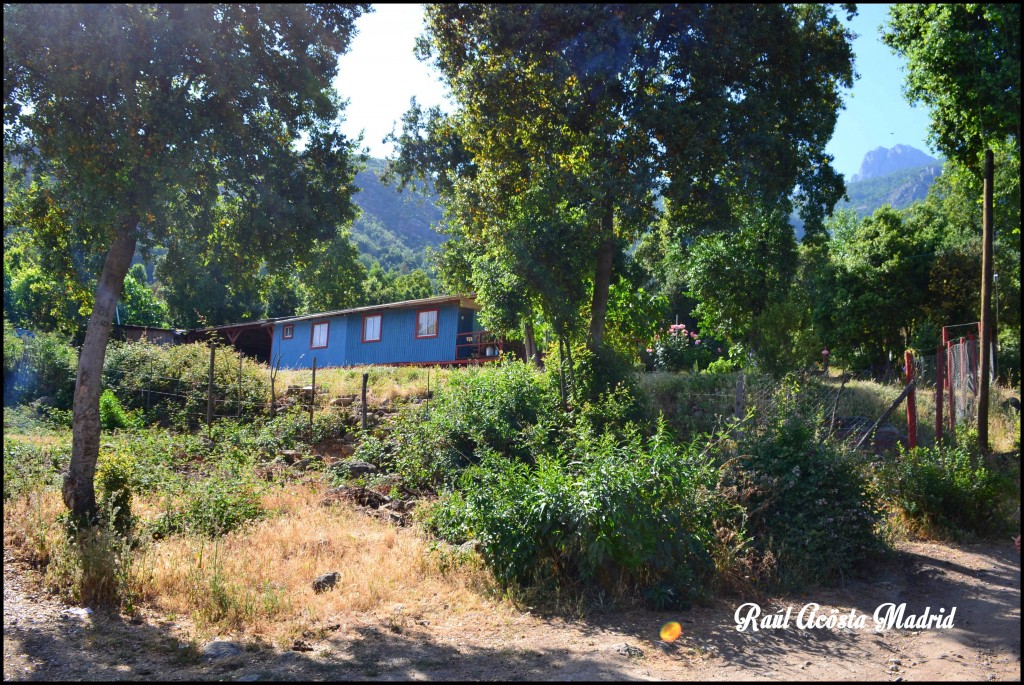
(371, 328)
(288, 332)
(318, 339)
(426, 324)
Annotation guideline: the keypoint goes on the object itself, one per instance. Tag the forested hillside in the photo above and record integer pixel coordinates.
(395, 228)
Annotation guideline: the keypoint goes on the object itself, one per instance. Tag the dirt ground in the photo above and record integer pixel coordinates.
(42, 642)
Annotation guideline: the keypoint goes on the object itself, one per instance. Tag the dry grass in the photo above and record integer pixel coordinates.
(392, 383)
(257, 581)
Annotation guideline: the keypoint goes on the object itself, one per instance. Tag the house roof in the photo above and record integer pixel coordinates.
(463, 301)
(468, 301)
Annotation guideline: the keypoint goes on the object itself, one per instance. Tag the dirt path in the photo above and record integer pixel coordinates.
(981, 581)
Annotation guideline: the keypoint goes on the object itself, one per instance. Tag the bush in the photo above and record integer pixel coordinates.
(115, 475)
(47, 370)
(172, 381)
(113, 415)
(810, 512)
(628, 515)
(481, 409)
(946, 493)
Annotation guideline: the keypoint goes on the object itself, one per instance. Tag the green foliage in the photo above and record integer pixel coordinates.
(481, 409)
(546, 166)
(170, 382)
(622, 514)
(808, 507)
(115, 475)
(28, 466)
(47, 371)
(948, 492)
(963, 63)
(139, 305)
(221, 503)
(113, 415)
(14, 347)
(734, 276)
(681, 350)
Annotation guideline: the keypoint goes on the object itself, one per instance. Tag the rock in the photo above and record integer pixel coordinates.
(301, 646)
(887, 437)
(82, 612)
(221, 649)
(249, 678)
(325, 582)
(353, 469)
(290, 456)
(471, 546)
(303, 464)
(628, 650)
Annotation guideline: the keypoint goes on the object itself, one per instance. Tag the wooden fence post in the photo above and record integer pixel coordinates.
(312, 399)
(911, 402)
(238, 414)
(951, 392)
(366, 377)
(741, 397)
(209, 393)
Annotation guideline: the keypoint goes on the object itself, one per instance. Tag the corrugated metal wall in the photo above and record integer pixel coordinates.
(345, 347)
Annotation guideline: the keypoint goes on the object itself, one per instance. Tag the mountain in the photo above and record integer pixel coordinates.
(897, 176)
(899, 188)
(884, 161)
(394, 227)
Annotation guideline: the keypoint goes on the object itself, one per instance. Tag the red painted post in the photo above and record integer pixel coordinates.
(951, 393)
(908, 358)
(940, 379)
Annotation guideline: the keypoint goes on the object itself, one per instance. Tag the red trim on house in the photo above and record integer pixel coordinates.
(287, 331)
(437, 323)
(327, 338)
(380, 328)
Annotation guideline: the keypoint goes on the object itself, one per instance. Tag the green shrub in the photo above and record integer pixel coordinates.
(115, 475)
(113, 415)
(479, 409)
(171, 382)
(47, 370)
(810, 512)
(14, 347)
(947, 492)
(627, 515)
(28, 466)
(221, 503)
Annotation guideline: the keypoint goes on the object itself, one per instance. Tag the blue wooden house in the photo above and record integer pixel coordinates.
(435, 330)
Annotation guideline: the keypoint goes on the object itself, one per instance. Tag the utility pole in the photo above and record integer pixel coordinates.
(986, 305)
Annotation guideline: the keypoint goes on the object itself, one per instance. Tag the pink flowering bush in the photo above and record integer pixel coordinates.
(679, 349)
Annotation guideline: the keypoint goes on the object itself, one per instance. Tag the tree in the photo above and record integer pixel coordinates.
(139, 306)
(735, 276)
(138, 118)
(574, 118)
(963, 63)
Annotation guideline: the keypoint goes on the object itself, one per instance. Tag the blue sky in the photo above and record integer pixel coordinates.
(380, 74)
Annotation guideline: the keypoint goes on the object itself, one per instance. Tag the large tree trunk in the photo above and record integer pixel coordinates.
(602, 278)
(79, 491)
(530, 341)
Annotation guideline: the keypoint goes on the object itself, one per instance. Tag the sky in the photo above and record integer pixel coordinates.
(380, 74)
